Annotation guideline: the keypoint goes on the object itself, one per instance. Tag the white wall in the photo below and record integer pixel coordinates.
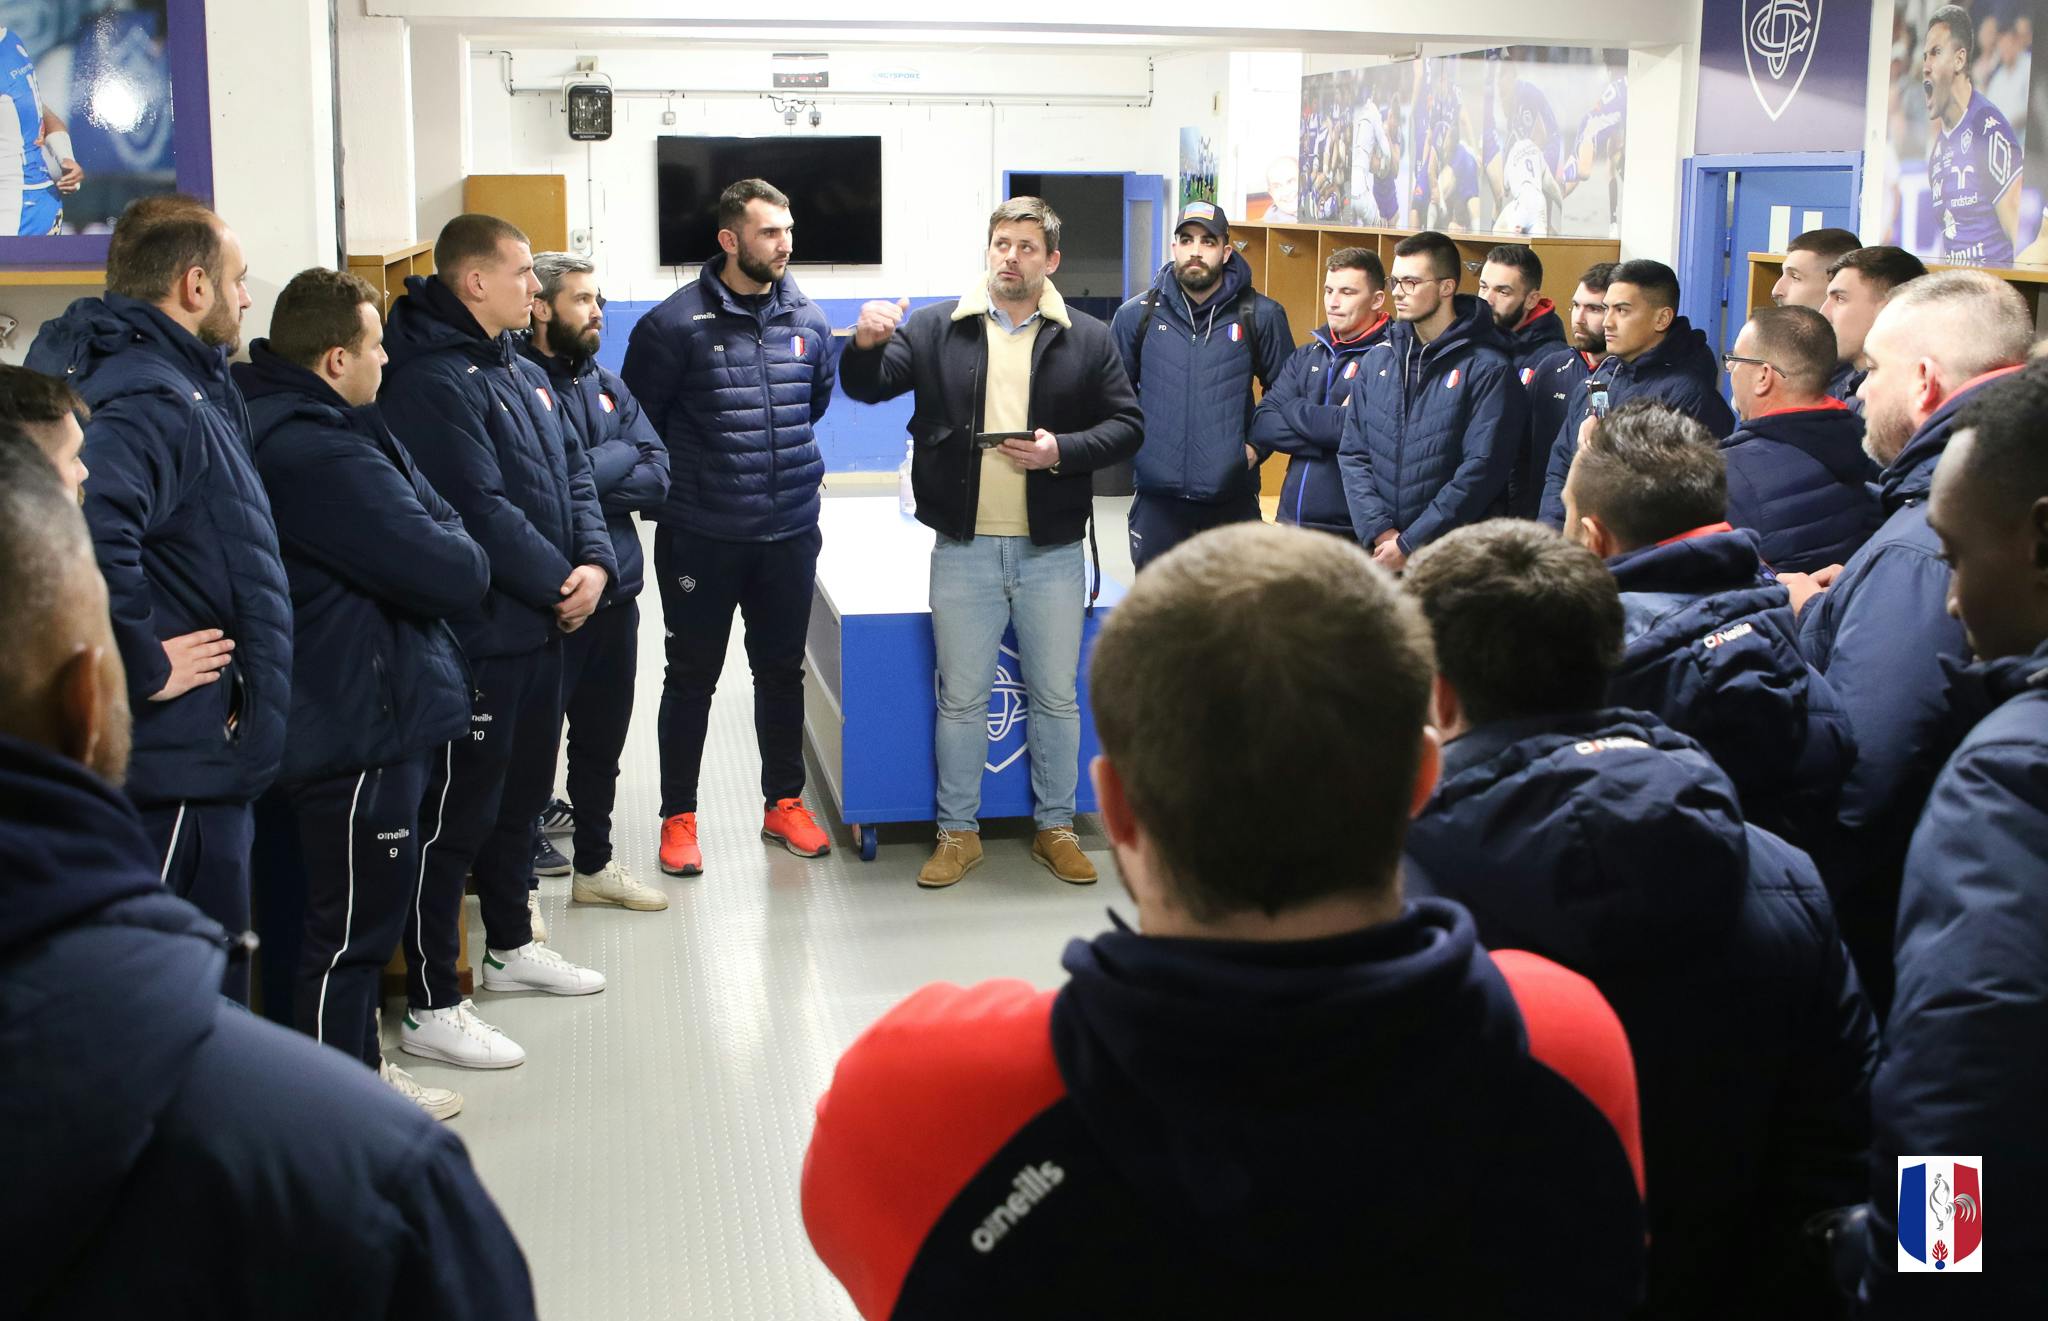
(1661, 115)
(440, 124)
(1264, 112)
(942, 159)
(375, 66)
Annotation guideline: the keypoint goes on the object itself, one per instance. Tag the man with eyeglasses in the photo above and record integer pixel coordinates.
(1653, 353)
(1429, 442)
(1797, 474)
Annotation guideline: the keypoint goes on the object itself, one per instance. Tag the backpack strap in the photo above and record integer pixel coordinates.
(1146, 307)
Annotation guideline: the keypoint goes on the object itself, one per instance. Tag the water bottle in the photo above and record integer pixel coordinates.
(906, 496)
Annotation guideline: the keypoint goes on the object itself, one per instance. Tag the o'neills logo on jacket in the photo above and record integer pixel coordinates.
(1031, 1186)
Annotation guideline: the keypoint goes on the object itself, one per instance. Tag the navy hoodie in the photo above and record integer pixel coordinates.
(197, 1160)
(1431, 431)
(1549, 382)
(1681, 371)
(1800, 478)
(1194, 381)
(1712, 649)
(183, 534)
(628, 462)
(1613, 845)
(1966, 1052)
(377, 561)
(482, 424)
(1538, 335)
(1302, 416)
(1212, 1128)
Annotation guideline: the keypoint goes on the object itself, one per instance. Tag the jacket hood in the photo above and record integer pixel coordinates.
(79, 341)
(1601, 839)
(1911, 474)
(1832, 437)
(90, 948)
(561, 369)
(787, 295)
(1235, 278)
(1683, 349)
(430, 319)
(280, 383)
(1977, 689)
(1540, 326)
(1471, 323)
(1373, 335)
(1709, 562)
(1204, 1067)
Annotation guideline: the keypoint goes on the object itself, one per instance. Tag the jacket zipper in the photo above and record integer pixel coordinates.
(767, 412)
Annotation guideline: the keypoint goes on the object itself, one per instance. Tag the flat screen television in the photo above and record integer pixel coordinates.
(834, 187)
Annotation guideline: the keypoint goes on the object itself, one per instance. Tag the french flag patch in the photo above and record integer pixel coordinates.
(1528, 375)
(1451, 381)
(604, 401)
(547, 400)
(796, 345)
(1351, 369)
(1236, 332)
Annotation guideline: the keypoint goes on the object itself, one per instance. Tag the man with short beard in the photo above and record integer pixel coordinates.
(184, 535)
(1550, 381)
(629, 465)
(1192, 345)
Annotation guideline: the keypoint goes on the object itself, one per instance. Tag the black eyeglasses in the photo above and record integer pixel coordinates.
(1728, 361)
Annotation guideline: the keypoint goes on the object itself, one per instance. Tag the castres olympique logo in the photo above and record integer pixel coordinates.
(1777, 47)
(1941, 1213)
(1008, 704)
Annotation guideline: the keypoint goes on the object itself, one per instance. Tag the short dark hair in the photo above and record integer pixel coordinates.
(1654, 278)
(1523, 258)
(1359, 259)
(29, 398)
(1599, 275)
(1034, 209)
(2005, 418)
(1650, 472)
(1830, 243)
(157, 240)
(471, 238)
(1881, 265)
(1799, 342)
(1229, 678)
(316, 311)
(1962, 29)
(1443, 256)
(732, 203)
(1526, 623)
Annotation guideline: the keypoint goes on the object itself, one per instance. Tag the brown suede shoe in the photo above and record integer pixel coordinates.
(958, 853)
(1060, 850)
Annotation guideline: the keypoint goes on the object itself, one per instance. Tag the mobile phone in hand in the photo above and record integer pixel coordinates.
(989, 440)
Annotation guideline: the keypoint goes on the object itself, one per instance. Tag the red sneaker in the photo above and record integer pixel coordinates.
(679, 853)
(788, 824)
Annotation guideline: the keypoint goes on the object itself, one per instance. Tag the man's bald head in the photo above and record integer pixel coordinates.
(1934, 335)
(61, 681)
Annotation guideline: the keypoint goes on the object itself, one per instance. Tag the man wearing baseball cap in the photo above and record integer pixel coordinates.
(1192, 344)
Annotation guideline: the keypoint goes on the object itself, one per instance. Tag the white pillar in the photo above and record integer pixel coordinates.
(377, 151)
(440, 104)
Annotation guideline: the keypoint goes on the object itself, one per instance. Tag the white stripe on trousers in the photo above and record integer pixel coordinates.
(419, 928)
(348, 920)
(171, 850)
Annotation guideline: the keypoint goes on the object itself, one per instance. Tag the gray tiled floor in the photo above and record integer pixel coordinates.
(647, 1153)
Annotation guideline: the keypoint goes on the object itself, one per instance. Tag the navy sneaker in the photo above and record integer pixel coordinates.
(557, 818)
(547, 859)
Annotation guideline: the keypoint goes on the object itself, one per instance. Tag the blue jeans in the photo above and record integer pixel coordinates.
(979, 587)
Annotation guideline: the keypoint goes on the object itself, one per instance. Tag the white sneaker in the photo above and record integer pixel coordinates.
(440, 1102)
(457, 1036)
(615, 885)
(533, 917)
(537, 968)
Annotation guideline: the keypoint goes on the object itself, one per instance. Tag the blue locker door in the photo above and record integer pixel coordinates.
(1777, 204)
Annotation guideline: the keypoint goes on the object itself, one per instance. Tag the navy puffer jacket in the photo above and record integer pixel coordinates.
(1612, 844)
(1549, 382)
(183, 532)
(628, 462)
(735, 388)
(184, 1166)
(483, 425)
(1536, 337)
(1712, 649)
(1302, 416)
(377, 561)
(1800, 478)
(1966, 1054)
(1680, 371)
(1194, 381)
(1429, 440)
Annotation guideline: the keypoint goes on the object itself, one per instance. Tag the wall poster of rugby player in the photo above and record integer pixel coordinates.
(1520, 140)
(106, 101)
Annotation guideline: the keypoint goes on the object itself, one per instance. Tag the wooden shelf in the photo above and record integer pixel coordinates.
(386, 266)
(25, 276)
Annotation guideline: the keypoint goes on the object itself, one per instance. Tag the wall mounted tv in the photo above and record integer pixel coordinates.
(834, 187)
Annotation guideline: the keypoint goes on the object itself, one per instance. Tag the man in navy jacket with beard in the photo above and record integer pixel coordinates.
(1711, 644)
(485, 429)
(1302, 416)
(1797, 473)
(629, 467)
(1878, 627)
(1602, 839)
(196, 1160)
(1436, 412)
(1652, 352)
(1291, 1090)
(376, 562)
(184, 535)
(1192, 345)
